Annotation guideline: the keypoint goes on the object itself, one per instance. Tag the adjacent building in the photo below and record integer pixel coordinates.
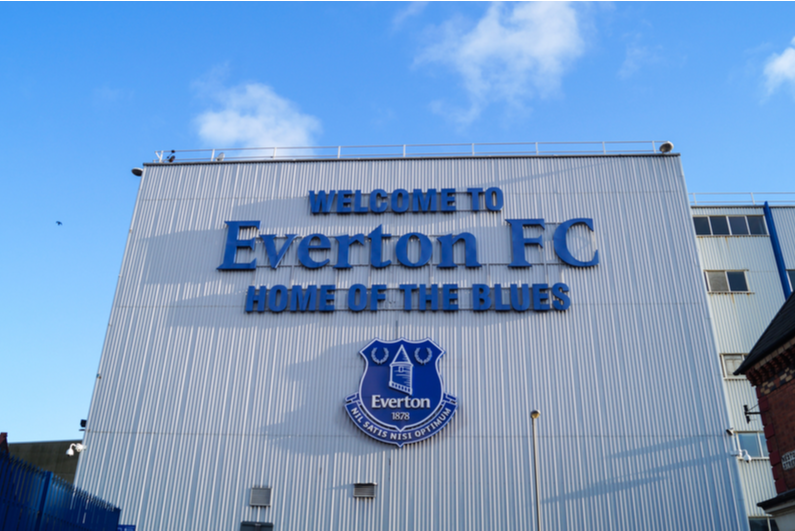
(770, 367)
(747, 253)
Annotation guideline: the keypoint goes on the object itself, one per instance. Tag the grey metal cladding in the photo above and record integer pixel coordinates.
(198, 400)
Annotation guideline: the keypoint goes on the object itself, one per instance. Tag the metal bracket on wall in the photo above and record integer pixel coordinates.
(748, 413)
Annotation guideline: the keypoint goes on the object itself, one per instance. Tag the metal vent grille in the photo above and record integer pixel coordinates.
(260, 497)
(256, 526)
(364, 490)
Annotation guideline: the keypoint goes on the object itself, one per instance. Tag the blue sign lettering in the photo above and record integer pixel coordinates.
(321, 202)
(494, 199)
(562, 249)
(274, 257)
(402, 249)
(412, 250)
(518, 241)
(306, 245)
(422, 297)
(398, 201)
(233, 244)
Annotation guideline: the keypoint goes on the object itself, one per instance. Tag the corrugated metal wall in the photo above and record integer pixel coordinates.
(198, 401)
(741, 318)
(784, 218)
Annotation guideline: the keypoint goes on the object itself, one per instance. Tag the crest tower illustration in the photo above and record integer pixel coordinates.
(400, 372)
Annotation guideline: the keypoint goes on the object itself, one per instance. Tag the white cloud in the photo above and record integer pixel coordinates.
(780, 70)
(253, 115)
(513, 53)
(413, 9)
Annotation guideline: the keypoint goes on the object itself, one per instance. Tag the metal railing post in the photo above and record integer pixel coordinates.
(501, 149)
(45, 488)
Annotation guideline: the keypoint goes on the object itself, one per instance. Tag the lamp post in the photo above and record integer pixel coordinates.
(534, 415)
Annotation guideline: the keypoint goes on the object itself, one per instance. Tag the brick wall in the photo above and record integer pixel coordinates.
(774, 379)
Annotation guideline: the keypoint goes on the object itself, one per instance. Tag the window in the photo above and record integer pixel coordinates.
(726, 281)
(729, 225)
(791, 275)
(720, 227)
(730, 363)
(754, 443)
(756, 225)
(702, 226)
(762, 524)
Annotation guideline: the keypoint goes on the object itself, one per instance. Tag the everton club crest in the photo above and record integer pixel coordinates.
(401, 397)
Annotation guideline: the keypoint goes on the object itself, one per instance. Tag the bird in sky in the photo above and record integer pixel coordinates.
(58, 223)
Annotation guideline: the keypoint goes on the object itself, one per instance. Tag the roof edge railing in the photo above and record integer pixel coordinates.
(733, 199)
(474, 149)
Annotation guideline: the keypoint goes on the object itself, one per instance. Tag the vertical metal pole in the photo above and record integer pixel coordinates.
(604, 149)
(782, 270)
(212, 156)
(339, 151)
(534, 415)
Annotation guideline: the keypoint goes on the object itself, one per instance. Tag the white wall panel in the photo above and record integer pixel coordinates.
(758, 486)
(739, 393)
(740, 318)
(197, 401)
(784, 218)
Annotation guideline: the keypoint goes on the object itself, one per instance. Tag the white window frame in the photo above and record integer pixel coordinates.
(729, 375)
(769, 520)
(760, 437)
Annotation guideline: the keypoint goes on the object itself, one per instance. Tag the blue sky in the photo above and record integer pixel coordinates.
(92, 90)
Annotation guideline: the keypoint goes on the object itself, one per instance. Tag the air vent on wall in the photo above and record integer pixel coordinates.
(364, 490)
(260, 497)
(256, 526)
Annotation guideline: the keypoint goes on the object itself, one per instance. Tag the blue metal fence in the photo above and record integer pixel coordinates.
(34, 500)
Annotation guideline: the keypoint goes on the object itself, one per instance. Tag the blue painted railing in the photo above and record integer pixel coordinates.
(34, 500)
